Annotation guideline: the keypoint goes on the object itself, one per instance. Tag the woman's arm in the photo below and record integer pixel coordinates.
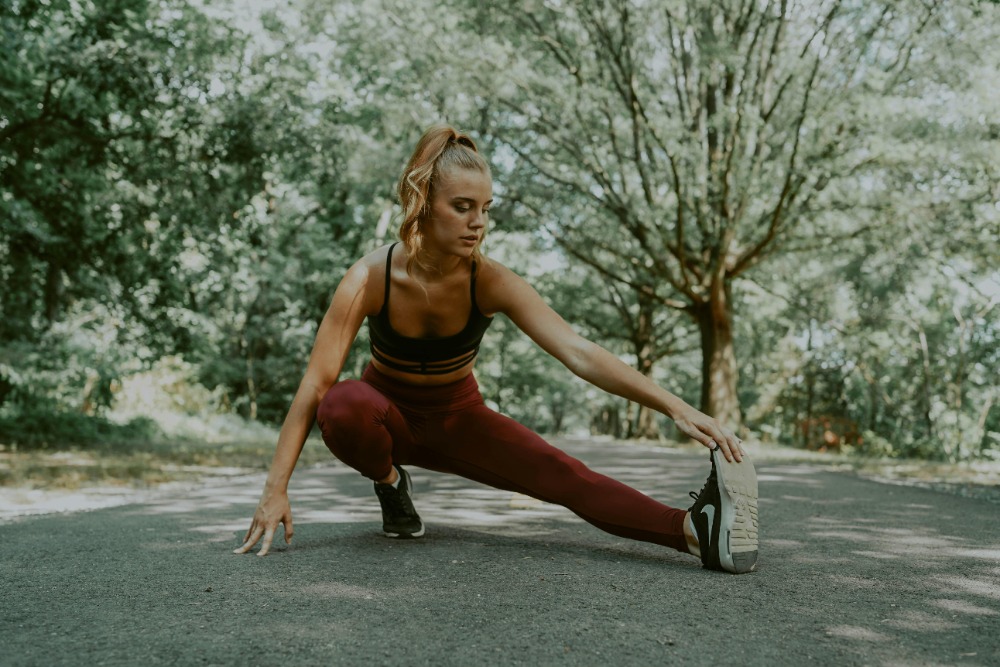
(337, 331)
(508, 293)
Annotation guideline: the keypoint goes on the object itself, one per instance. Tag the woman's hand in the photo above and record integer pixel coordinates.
(709, 432)
(272, 509)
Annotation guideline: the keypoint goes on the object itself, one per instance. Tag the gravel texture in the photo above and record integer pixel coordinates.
(852, 572)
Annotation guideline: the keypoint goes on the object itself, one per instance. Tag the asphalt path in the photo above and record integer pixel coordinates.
(851, 572)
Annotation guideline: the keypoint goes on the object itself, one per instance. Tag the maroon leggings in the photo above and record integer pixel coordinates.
(371, 423)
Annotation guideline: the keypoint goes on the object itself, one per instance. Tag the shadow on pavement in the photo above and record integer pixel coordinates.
(851, 572)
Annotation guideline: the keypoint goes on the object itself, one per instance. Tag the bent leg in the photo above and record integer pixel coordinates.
(363, 428)
(490, 448)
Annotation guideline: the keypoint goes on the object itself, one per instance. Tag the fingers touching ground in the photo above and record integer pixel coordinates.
(250, 539)
(265, 546)
(258, 531)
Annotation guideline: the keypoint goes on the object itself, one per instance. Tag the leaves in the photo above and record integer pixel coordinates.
(820, 178)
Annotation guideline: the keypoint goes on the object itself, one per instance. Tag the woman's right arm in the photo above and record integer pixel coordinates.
(336, 332)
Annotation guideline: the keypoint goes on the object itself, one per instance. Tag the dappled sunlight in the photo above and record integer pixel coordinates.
(888, 575)
(960, 607)
(337, 589)
(983, 587)
(920, 621)
(869, 568)
(339, 495)
(336, 494)
(992, 555)
(856, 537)
(875, 554)
(919, 544)
(867, 573)
(855, 632)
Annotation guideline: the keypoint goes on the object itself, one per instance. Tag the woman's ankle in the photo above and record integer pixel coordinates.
(391, 478)
(691, 536)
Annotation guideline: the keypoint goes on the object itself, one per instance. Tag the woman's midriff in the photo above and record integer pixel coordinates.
(424, 380)
(425, 399)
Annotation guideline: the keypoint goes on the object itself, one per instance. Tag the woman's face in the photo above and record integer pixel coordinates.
(459, 212)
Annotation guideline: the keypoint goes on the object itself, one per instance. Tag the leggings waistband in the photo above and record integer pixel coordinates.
(455, 395)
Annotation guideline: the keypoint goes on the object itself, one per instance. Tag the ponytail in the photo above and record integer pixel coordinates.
(441, 148)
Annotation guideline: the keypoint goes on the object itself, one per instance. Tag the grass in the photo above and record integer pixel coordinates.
(43, 448)
(140, 463)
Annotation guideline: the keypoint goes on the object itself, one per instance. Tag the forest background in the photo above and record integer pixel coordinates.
(786, 212)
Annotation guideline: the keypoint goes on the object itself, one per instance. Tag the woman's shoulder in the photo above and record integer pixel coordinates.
(496, 285)
(491, 269)
(371, 265)
(366, 277)
(377, 257)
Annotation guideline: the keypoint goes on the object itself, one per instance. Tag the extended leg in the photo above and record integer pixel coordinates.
(487, 447)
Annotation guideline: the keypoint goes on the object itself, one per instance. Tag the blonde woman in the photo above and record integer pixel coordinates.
(428, 300)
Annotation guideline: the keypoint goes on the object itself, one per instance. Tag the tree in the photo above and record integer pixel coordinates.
(695, 137)
(626, 322)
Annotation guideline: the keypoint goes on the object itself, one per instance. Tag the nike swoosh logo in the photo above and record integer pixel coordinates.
(709, 511)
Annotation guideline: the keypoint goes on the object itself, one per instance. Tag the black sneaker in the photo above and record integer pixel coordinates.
(399, 518)
(724, 515)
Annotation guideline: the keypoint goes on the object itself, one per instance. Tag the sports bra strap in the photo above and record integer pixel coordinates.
(388, 275)
(473, 286)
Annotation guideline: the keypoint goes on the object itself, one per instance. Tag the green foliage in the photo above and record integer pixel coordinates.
(891, 345)
(520, 380)
(95, 111)
(184, 181)
(44, 427)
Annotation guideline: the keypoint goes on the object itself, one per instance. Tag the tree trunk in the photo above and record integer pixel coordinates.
(810, 389)
(719, 374)
(53, 291)
(251, 382)
(644, 424)
(558, 407)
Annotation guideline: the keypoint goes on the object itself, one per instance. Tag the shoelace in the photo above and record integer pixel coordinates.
(711, 478)
(397, 503)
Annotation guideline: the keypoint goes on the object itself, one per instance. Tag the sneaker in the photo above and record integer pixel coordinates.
(724, 515)
(399, 518)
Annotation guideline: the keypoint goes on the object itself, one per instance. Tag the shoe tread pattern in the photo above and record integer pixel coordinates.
(738, 481)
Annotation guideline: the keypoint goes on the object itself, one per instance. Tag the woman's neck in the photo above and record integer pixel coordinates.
(431, 266)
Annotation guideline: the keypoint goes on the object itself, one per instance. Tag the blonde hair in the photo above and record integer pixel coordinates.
(441, 148)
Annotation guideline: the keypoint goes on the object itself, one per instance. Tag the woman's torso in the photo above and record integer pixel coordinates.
(432, 327)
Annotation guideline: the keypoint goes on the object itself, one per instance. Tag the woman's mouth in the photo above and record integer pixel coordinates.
(473, 239)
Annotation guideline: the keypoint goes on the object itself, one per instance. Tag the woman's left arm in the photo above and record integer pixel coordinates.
(505, 292)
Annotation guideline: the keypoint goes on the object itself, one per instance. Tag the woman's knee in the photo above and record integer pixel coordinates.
(347, 398)
(352, 417)
(348, 407)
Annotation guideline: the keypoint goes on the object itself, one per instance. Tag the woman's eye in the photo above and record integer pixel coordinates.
(461, 209)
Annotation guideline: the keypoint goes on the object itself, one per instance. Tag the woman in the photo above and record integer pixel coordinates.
(428, 301)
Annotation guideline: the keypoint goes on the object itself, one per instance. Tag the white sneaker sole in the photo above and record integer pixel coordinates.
(738, 534)
(404, 536)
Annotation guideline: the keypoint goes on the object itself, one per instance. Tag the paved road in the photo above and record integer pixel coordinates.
(851, 573)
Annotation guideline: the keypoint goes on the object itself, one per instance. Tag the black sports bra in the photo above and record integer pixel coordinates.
(425, 356)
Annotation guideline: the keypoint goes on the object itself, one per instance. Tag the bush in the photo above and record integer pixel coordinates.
(38, 428)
